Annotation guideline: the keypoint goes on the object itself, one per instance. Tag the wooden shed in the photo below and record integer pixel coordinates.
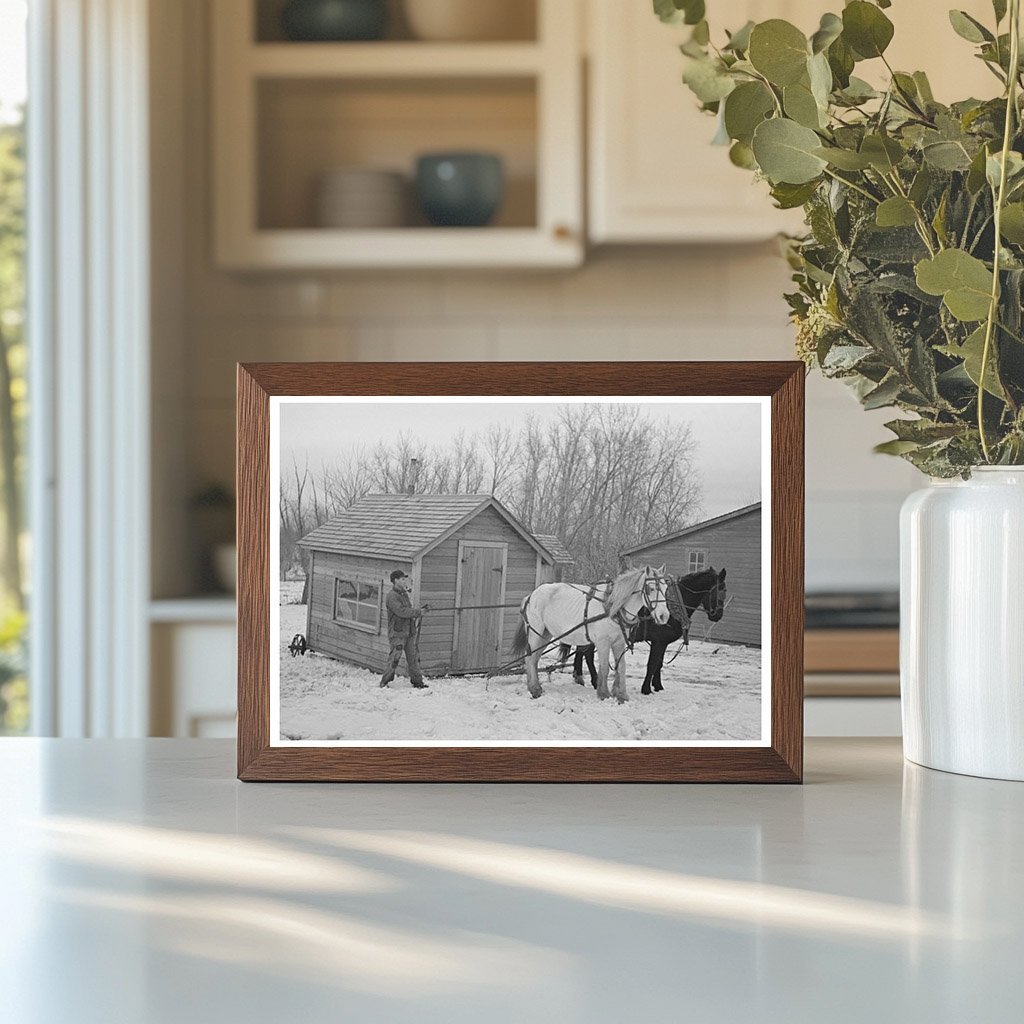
(462, 551)
(732, 542)
(562, 559)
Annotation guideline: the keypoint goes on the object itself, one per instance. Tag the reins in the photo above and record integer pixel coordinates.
(619, 618)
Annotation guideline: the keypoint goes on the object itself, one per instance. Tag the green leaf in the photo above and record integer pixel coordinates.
(994, 167)
(1012, 223)
(924, 88)
(923, 431)
(896, 212)
(976, 174)
(820, 76)
(858, 91)
(999, 7)
(739, 41)
(701, 33)
(971, 352)
(829, 30)
(778, 50)
(939, 220)
(885, 394)
(789, 197)
(946, 156)
(785, 152)
(844, 159)
(800, 105)
(866, 29)
(745, 108)
(676, 12)
(708, 80)
(742, 155)
(883, 153)
(841, 60)
(921, 185)
(969, 28)
(963, 281)
(895, 447)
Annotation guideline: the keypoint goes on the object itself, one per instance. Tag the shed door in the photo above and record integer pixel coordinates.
(481, 582)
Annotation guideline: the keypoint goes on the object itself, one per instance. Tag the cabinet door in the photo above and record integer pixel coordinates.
(654, 175)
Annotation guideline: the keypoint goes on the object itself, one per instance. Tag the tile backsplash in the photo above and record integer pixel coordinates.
(718, 302)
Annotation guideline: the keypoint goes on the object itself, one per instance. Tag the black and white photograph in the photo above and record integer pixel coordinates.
(543, 571)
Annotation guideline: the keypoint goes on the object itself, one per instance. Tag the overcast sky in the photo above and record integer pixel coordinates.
(728, 435)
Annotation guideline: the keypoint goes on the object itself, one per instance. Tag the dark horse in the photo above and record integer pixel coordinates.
(704, 589)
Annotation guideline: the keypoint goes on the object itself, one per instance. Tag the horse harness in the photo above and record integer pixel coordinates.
(621, 618)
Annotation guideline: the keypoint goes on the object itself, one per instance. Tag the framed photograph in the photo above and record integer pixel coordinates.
(562, 572)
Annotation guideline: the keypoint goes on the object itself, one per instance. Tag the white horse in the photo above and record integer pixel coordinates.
(601, 615)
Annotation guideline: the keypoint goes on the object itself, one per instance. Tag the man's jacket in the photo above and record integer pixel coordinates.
(401, 615)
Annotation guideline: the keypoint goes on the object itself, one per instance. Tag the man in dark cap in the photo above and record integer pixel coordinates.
(403, 630)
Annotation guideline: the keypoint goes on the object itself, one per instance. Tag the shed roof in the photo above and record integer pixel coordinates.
(407, 526)
(696, 528)
(559, 552)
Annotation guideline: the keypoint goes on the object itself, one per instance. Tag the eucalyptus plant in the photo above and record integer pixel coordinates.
(909, 280)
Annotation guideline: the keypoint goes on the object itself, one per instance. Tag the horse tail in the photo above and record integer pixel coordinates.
(564, 650)
(521, 641)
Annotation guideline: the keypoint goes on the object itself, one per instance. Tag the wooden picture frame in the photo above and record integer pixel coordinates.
(779, 760)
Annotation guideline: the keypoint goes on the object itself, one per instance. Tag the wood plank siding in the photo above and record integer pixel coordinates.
(734, 545)
(339, 639)
(438, 579)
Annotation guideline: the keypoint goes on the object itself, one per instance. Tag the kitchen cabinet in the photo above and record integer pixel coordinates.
(192, 652)
(287, 113)
(653, 175)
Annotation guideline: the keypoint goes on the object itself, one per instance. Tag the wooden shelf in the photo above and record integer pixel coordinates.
(401, 247)
(852, 650)
(393, 60)
(207, 608)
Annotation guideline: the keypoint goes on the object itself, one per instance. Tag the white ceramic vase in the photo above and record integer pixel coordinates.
(962, 624)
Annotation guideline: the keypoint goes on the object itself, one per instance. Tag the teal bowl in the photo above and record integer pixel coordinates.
(460, 190)
(334, 21)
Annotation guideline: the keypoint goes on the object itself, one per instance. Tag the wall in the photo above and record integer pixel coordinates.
(638, 304)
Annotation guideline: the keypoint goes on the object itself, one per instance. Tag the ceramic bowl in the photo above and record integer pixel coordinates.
(470, 20)
(360, 197)
(334, 20)
(460, 189)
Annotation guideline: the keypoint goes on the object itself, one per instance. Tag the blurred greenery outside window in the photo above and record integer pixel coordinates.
(14, 692)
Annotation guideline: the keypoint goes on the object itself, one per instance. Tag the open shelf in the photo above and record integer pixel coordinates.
(286, 114)
(308, 127)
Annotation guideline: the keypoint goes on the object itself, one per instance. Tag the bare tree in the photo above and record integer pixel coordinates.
(600, 477)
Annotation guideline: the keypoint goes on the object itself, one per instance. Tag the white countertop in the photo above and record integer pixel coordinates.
(143, 885)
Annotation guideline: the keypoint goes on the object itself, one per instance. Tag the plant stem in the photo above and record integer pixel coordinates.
(922, 225)
(993, 309)
(854, 186)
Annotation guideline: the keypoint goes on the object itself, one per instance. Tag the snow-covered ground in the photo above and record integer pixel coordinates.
(712, 692)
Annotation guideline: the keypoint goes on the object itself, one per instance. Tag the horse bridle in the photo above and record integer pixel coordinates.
(713, 591)
(659, 580)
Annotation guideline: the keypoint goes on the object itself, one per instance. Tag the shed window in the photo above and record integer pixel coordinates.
(357, 603)
(696, 559)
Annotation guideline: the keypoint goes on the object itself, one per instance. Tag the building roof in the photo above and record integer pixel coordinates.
(559, 552)
(696, 528)
(407, 526)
